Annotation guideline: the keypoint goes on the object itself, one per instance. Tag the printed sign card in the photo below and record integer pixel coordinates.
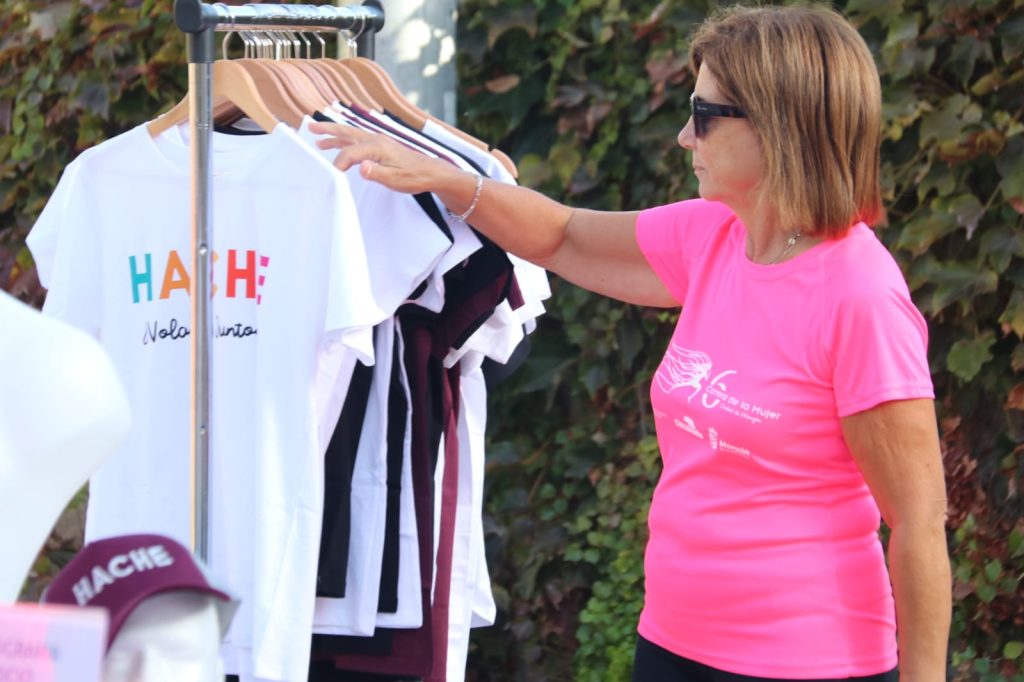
(47, 643)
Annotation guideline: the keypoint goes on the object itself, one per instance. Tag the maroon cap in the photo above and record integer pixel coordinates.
(118, 573)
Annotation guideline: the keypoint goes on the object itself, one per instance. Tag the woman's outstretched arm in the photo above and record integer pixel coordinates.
(596, 250)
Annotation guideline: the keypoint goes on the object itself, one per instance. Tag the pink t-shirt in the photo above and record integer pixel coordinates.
(764, 557)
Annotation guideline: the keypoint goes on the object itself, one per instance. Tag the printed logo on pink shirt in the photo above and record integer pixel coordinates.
(684, 368)
(687, 369)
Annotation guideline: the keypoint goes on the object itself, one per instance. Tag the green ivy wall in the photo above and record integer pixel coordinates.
(587, 96)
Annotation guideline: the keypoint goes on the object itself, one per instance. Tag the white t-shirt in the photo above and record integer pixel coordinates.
(290, 284)
(402, 244)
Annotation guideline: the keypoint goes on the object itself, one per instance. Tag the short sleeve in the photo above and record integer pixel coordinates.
(66, 251)
(879, 349)
(45, 235)
(673, 236)
(351, 309)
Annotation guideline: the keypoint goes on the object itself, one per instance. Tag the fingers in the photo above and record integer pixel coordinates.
(356, 145)
(338, 136)
(381, 159)
(357, 154)
(337, 130)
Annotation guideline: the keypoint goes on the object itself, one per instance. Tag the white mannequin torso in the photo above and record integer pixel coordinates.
(62, 411)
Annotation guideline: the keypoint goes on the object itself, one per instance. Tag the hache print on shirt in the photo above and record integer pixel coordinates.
(251, 273)
(176, 331)
(245, 278)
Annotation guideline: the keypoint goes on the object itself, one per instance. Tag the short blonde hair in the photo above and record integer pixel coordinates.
(810, 88)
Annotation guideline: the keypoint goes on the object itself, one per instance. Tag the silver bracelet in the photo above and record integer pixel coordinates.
(472, 205)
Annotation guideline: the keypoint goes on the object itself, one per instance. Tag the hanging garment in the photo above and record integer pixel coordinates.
(497, 341)
(291, 309)
(499, 335)
(394, 223)
(472, 292)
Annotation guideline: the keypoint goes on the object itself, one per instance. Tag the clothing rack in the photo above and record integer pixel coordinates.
(200, 21)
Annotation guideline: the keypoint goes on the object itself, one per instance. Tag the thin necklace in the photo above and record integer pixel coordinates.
(790, 243)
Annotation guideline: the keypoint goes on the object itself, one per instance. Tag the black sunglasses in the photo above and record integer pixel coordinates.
(703, 111)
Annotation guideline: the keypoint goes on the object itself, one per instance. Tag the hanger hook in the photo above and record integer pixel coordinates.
(350, 44)
(309, 45)
(351, 47)
(224, 44)
(296, 44)
(260, 45)
(281, 46)
(362, 28)
(323, 44)
(247, 44)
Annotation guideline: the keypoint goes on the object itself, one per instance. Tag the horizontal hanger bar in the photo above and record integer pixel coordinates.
(195, 16)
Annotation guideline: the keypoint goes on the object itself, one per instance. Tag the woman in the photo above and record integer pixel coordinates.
(794, 402)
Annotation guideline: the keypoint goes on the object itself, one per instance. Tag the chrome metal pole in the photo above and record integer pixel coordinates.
(365, 40)
(200, 68)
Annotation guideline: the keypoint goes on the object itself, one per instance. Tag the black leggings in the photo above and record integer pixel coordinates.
(655, 664)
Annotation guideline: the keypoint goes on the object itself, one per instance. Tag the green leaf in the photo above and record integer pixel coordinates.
(1001, 244)
(939, 178)
(966, 52)
(945, 123)
(1016, 543)
(1011, 38)
(921, 232)
(987, 83)
(1013, 650)
(566, 158)
(866, 9)
(1011, 168)
(952, 281)
(986, 593)
(1017, 358)
(1013, 314)
(903, 29)
(968, 211)
(968, 356)
(993, 570)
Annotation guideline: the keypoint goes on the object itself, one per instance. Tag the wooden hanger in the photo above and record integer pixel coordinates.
(324, 87)
(376, 74)
(278, 97)
(230, 82)
(296, 83)
(384, 91)
(339, 88)
(354, 86)
(290, 90)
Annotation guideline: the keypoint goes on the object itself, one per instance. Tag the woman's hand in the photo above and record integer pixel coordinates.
(384, 160)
